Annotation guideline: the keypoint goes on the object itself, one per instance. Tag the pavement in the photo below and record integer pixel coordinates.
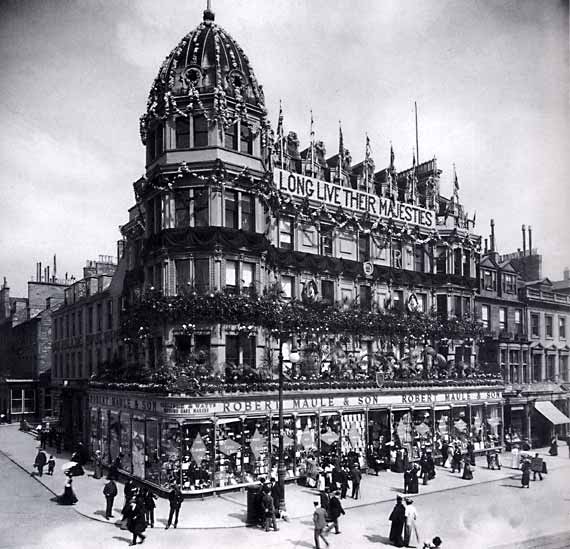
(229, 510)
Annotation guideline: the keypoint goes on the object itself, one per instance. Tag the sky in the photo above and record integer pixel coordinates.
(490, 78)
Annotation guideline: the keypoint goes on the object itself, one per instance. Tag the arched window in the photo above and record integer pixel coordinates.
(182, 133)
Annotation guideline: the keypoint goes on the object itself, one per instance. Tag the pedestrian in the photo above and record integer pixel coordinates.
(356, 477)
(319, 522)
(449, 457)
(51, 465)
(424, 472)
(43, 438)
(467, 472)
(128, 492)
(68, 497)
(136, 524)
(536, 466)
(411, 528)
(110, 492)
(525, 479)
(456, 461)
(407, 477)
(430, 465)
(97, 464)
(80, 456)
(276, 495)
(175, 499)
(398, 519)
(343, 482)
(471, 452)
(268, 510)
(149, 505)
(413, 485)
(58, 442)
(435, 543)
(553, 446)
(40, 461)
(325, 499)
(335, 510)
(114, 468)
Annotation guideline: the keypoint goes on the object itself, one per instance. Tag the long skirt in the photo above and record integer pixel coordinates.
(68, 497)
(396, 533)
(411, 530)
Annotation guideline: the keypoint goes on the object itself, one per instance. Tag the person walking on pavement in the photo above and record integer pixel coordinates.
(268, 510)
(128, 491)
(407, 477)
(97, 464)
(175, 499)
(110, 492)
(411, 528)
(51, 465)
(413, 484)
(320, 523)
(325, 499)
(536, 466)
(68, 497)
(456, 462)
(525, 480)
(149, 505)
(343, 482)
(398, 520)
(136, 524)
(40, 461)
(356, 477)
(276, 495)
(335, 510)
(554, 446)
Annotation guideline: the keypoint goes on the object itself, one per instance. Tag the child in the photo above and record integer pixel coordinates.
(51, 465)
(435, 542)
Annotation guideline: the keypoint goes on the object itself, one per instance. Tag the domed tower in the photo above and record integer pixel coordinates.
(198, 226)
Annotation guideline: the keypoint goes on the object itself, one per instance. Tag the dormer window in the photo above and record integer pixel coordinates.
(489, 280)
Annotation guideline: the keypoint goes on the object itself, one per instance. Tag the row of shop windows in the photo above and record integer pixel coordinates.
(202, 455)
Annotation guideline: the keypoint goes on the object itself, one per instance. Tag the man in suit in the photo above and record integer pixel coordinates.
(40, 462)
(110, 492)
(319, 522)
(335, 510)
(356, 477)
(175, 498)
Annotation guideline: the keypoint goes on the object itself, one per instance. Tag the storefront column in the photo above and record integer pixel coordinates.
(485, 419)
(214, 421)
(339, 455)
(366, 430)
(295, 470)
(502, 438)
(470, 416)
(242, 421)
(527, 415)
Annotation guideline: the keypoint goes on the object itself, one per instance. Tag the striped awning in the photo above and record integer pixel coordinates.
(551, 412)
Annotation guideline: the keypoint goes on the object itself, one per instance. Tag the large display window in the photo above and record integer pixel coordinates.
(152, 458)
(477, 426)
(114, 435)
(422, 431)
(256, 448)
(229, 450)
(138, 447)
(94, 434)
(307, 440)
(353, 435)
(459, 423)
(197, 456)
(125, 446)
(402, 429)
(379, 435)
(442, 416)
(104, 418)
(330, 428)
(494, 425)
(170, 442)
(288, 445)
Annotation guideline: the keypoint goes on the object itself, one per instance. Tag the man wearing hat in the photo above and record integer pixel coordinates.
(334, 511)
(411, 528)
(319, 522)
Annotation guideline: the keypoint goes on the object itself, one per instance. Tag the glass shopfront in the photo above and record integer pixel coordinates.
(459, 423)
(197, 455)
(114, 435)
(422, 431)
(402, 429)
(125, 437)
(256, 448)
(138, 448)
(95, 435)
(494, 425)
(307, 439)
(170, 444)
(104, 426)
(152, 457)
(229, 438)
(330, 438)
(477, 426)
(288, 445)
(353, 435)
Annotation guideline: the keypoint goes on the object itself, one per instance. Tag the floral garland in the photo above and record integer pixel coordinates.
(294, 316)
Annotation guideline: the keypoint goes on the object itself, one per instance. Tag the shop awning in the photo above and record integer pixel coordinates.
(551, 412)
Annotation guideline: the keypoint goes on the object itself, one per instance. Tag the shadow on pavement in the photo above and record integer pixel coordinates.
(301, 543)
(119, 538)
(375, 538)
(239, 516)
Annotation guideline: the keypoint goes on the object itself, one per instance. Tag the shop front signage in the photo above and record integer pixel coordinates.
(351, 199)
(189, 408)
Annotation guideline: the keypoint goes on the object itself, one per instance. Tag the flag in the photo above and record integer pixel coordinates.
(280, 136)
(312, 135)
(455, 185)
(367, 159)
(340, 150)
(414, 159)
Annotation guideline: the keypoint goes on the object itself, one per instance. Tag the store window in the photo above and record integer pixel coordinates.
(94, 431)
(23, 401)
(306, 433)
(288, 445)
(286, 241)
(330, 437)
(182, 132)
(104, 418)
(152, 451)
(422, 431)
(197, 456)
(548, 325)
(562, 327)
(125, 441)
(229, 450)
(114, 435)
(535, 325)
(402, 429)
(459, 423)
(379, 434)
(256, 461)
(201, 208)
(200, 131)
(170, 444)
(494, 425)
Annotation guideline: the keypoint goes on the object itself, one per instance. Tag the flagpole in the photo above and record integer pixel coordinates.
(312, 147)
(417, 141)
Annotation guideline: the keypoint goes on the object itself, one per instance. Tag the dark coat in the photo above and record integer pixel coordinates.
(525, 473)
(335, 508)
(467, 472)
(136, 521)
(413, 484)
(267, 504)
(110, 489)
(149, 498)
(175, 498)
(356, 476)
(325, 500)
(41, 459)
(398, 519)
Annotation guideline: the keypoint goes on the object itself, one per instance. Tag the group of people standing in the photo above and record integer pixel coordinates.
(404, 529)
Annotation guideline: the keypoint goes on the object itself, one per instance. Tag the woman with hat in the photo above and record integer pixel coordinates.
(410, 527)
(398, 519)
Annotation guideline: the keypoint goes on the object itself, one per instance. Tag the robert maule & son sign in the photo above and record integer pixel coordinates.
(299, 185)
(179, 407)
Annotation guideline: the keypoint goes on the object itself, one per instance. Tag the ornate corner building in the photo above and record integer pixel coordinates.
(245, 252)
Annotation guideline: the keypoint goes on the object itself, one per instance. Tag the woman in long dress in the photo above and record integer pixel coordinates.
(516, 457)
(525, 480)
(449, 458)
(411, 528)
(68, 497)
(398, 519)
(467, 472)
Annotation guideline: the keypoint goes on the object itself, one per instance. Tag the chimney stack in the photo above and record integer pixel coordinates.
(39, 271)
(54, 267)
(492, 242)
(529, 240)
(486, 249)
(566, 275)
(523, 228)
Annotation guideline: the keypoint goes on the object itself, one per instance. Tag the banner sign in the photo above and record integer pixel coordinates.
(180, 406)
(334, 195)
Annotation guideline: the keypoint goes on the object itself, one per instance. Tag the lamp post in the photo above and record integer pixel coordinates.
(281, 462)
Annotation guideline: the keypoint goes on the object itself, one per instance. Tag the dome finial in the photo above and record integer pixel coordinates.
(208, 13)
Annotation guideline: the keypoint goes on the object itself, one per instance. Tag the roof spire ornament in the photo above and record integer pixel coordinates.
(392, 156)
(340, 151)
(208, 13)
